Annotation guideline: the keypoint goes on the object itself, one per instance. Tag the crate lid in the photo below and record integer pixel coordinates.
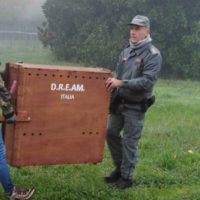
(58, 67)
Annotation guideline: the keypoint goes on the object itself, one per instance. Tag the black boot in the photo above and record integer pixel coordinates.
(113, 177)
(123, 183)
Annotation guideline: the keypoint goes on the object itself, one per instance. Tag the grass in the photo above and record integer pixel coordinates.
(169, 151)
(28, 51)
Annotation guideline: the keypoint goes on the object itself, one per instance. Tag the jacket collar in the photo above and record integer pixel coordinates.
(140, 46)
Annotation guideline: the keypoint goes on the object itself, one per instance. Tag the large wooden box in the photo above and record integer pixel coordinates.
(61, 115)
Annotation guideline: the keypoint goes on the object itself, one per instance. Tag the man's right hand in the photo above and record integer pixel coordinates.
(113, 83)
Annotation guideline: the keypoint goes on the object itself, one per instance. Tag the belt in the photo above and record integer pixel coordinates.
(124, 101)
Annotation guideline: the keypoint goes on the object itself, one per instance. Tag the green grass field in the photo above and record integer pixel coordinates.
(169, 152)
(26, 51)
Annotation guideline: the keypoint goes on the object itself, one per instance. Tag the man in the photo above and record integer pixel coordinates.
(137, 70)
(12, 192)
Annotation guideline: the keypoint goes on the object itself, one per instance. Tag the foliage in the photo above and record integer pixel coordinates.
(94, 32)
(175, 27)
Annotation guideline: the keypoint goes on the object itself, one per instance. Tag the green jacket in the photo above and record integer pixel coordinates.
(5, 100)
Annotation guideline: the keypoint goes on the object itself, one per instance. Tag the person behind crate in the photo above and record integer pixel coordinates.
(131, 95)
(12, 192)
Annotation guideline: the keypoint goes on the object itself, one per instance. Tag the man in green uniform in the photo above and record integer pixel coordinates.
(137, 70)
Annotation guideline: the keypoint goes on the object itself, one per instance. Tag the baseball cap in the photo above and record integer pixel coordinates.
(140, 20)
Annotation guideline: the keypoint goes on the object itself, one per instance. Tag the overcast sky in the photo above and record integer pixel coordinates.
(21, 8)
(33, 9)
(17, 13)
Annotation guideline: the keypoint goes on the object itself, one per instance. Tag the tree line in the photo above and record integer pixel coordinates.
(94, 32)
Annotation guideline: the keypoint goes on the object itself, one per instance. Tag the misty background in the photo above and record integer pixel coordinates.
(93, 32)
(19, 21)
(23, 15)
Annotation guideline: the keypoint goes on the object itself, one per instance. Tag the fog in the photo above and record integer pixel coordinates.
(33, 9)
(21, 14)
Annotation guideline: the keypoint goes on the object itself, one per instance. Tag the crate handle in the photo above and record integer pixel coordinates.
(22, 116)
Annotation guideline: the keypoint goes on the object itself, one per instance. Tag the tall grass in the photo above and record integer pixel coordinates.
(169, 151)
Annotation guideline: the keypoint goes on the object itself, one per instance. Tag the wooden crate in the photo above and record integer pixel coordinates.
(61, 114)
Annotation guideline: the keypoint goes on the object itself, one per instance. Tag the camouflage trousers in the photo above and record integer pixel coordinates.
(124, 146)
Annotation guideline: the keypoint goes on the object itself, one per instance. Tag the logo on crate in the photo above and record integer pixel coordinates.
(67, 88)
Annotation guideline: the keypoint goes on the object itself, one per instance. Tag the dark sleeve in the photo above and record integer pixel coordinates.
(150, 74)
(119, 63)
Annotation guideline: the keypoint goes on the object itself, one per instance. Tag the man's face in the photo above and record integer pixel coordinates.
(138, 33)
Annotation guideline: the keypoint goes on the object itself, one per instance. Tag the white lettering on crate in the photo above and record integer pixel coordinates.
(67, 96)
(67, 87)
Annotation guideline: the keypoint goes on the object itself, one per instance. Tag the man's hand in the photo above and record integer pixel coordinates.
(113, 83)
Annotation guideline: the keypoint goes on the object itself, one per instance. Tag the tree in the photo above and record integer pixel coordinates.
(94, 32)
(86, 31)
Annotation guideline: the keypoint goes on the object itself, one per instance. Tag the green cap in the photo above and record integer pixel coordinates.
(140, 20)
